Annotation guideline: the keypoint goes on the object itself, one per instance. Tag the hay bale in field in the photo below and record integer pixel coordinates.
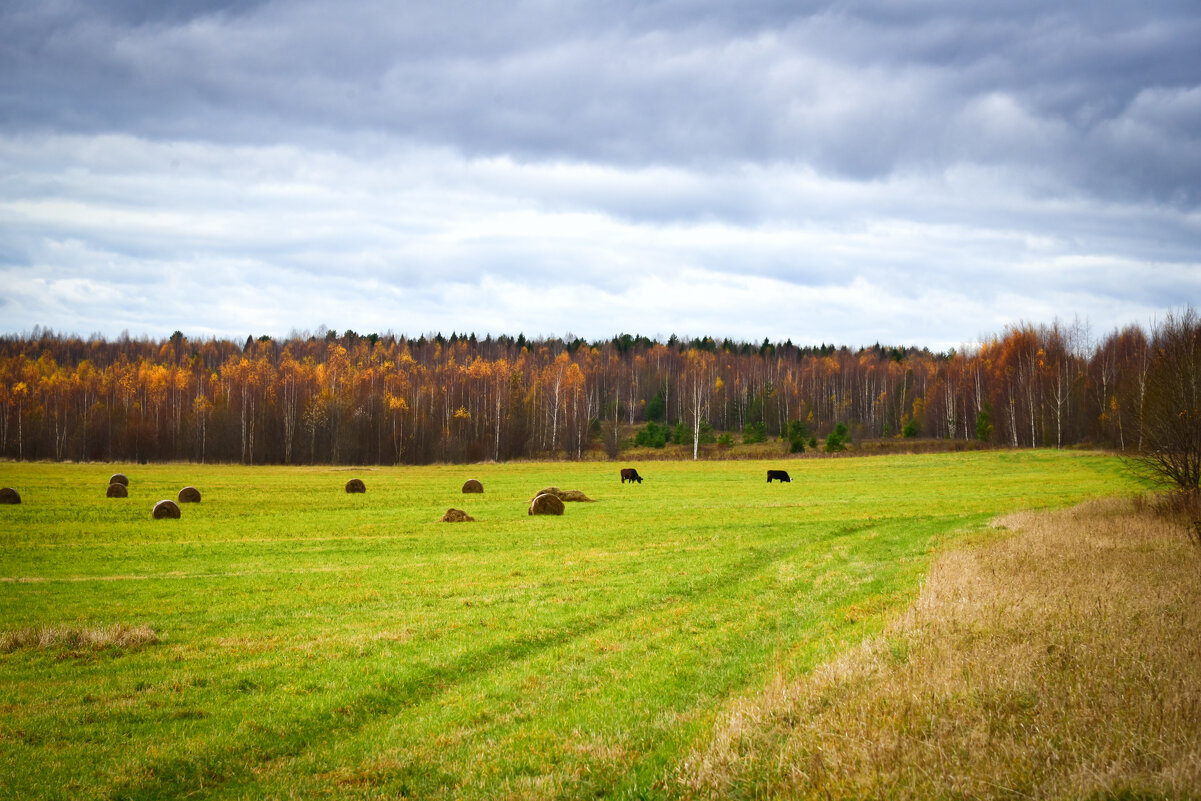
(546, 504)
(9, 495)
(471, 485)
(356, 485)
(189, 495)
(116, 490)
(564, 495)
(457, 516)
(166, 509)
(118, 478)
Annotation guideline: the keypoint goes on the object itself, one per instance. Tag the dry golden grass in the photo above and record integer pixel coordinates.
(77, 639)
(1060, 661)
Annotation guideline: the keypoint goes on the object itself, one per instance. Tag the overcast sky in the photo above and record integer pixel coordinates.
(919, 173)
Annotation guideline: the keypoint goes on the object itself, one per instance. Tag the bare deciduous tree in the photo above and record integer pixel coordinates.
(1170, 421)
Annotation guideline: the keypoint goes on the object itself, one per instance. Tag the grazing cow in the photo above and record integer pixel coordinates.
(779, 475)
(630, 474)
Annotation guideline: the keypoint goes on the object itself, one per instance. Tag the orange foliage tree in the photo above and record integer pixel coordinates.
(388, 399)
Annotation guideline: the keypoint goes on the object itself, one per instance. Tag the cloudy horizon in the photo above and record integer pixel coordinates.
(844, 172)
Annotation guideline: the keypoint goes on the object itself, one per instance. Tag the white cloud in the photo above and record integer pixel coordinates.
(247, 240)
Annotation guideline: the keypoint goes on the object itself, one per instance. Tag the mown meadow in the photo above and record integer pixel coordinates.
(290, 640)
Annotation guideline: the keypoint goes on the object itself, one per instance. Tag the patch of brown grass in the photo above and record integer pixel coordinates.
(1180, 508)
(1059, 662)
(77, 639)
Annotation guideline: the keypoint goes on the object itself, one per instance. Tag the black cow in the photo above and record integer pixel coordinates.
(630, 474)
(779, 475)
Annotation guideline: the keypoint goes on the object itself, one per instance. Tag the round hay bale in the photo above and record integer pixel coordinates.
(166, 509)
(457, 516)
(189, 495)
(546, 504)
(471, 485)
(548, 491)
(116, 490)
(119, 478)
(9, 495)
(356, 485)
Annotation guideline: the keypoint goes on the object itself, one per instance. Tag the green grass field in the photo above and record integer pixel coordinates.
(315, 643)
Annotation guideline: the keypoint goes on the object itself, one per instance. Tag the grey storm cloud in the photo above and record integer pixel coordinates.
(1104, 95)
(450, 148)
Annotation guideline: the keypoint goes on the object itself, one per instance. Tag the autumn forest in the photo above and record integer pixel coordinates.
(369, 399)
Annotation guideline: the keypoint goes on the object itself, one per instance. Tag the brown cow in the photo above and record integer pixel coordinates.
(630, 474)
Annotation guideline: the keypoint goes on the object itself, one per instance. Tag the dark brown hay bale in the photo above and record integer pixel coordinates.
(356, 485)
(9, 495)
(189, 495)
(166, 509)
(457, 516)
(116, 490)
(471, 485)
(548, 491)
(546, 504)
(119, 478)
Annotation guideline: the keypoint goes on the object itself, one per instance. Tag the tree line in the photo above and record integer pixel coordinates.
(387, 399)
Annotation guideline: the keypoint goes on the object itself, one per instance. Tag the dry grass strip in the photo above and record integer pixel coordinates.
(1060, 662)
(77, 639)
